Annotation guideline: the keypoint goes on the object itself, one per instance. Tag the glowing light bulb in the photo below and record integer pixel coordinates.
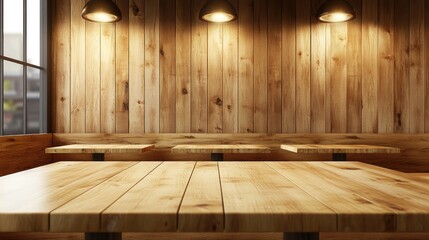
(336, 17)
(218, 17)
(102, 17)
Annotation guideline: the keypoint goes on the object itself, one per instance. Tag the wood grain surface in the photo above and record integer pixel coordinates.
(336, 148)
(219, 148)
(15, 152)
(101, 148)
(213, 196)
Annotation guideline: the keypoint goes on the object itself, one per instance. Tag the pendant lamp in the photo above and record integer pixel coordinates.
(102, 11)
(218, 11)
(332, 11)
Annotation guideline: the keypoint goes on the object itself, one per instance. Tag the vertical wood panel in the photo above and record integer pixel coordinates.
(260, 66)
(338, 65)
(108, 78)
(77, 68)
(230, 75)
(417, 80)
(426, 66)
(386, 66)
(92, 77)
(61, 66)
(274, 69)
(151, 66)
(198, 70)
(354, 70)
(303, 51)
(214, 78)
(402, 70)
(167, 39)
(288, 65)
(317, 84)
(274, 66)
(136, 67)
(122, 76)
(369, 66)
(183, 66)
(246, 64)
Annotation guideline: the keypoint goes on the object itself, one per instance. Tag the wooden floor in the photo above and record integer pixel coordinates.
(219, 236)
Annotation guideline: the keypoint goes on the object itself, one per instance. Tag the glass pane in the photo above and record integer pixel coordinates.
(33, 100)
(13, 28)
(33, 32)
(13, 106)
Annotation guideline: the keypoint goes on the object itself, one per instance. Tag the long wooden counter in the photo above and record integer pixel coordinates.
(290, 197)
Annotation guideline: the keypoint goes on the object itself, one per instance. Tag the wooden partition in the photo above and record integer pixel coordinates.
(414, 156)
(22, 152)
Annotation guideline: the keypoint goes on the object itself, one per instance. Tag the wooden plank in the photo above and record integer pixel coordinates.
(230, 75)
(354, 211)
(82, 214)
(61, 66)
(288, 65)
(93, 78)
(122, 76)
(417, 64)
(151, 66)
(136, 67)
(260, 35)
(167, 65)
(328, 33)
(108, 78)
(336, 148)
(402, 66)
(276, 203)
(101, 148)
(406, 198)
(426, 73)
(245, 67)
(169, 177)
(369, 66)
(303, 52)
(354, 70)
(318, 72)
(202, 208)
(275, 66)
(198, 70)
(25, 206)
(220, 148)
(214, 78)
(338, 70)
(183, 66)
(77, 68)
(385, 66)
(15, 152)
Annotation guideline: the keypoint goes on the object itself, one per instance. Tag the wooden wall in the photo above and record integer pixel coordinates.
(274, 70)
(18, 153)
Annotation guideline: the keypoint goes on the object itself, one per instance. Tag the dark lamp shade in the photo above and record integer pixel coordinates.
(103, 11)
(218, 11)
(332, 11)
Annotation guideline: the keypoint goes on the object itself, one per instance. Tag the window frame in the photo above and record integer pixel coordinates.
(44, 69)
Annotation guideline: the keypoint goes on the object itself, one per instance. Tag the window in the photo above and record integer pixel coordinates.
(23, 66)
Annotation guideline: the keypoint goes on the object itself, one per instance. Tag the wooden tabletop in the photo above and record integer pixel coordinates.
(221, 148)
(332, 148)
(213, 197)
(101, 148)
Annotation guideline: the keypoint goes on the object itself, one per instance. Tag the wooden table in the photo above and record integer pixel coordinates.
(217, 150)
(98, 150)
(338, 151)
(300, 199)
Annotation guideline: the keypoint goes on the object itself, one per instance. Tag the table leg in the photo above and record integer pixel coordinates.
(300, 236)
(103, 236)
(98, 157)
(216, 156)
(339, 157)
